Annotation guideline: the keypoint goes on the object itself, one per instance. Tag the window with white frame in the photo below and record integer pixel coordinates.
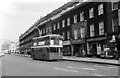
(114, 24)
(114, 5)
(63, 23)
(44, 30)
(75, 18)
(50, 28)
(41, 31)
(54, 27)
(58, 25)
(101, 28)
(100, 9)
(82, 32)
(91, 13)
(63, 34)
(81, 16)
(119, 17)
(75, 33)
(68, 34)
(68, 21)
(92, 31)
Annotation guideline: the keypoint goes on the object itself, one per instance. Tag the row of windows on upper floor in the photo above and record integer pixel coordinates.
(91, 15)
(92, 30)
(81, 32)
(75, 20)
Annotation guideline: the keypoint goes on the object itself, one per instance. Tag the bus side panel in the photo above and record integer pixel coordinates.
(56, 56)
(45, 53)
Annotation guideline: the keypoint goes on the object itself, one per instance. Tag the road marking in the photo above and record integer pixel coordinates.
(66, 70)
(98, 75)
(82, 68)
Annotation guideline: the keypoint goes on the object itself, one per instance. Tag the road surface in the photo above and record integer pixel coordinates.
(17, 65)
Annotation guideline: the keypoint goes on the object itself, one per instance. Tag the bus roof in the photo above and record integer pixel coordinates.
(47, 35)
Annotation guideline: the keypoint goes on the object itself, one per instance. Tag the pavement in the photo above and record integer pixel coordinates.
(90, 60)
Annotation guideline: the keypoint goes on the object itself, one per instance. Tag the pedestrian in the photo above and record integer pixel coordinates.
(92, 51)
(83, 53)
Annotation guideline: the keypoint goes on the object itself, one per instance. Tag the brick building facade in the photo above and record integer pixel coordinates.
(84, 25)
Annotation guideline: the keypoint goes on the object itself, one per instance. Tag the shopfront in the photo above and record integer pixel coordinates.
(66, 48)
(78, 46)
(97, 45)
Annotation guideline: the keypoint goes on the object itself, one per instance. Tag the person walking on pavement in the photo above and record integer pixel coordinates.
(92, 51)
(83, 53)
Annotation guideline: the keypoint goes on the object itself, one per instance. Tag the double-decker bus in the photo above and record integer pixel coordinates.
(48, 47)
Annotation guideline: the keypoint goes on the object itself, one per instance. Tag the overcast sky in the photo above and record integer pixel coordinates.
(16, 16)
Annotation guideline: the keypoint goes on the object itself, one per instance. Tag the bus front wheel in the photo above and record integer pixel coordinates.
(33, 57)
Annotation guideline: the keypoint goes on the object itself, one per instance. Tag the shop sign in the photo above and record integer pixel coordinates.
(96, 39)
(66, 42)
(80, 41)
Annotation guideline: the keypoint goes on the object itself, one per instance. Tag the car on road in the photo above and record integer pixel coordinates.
(1, 54)
(107, 54)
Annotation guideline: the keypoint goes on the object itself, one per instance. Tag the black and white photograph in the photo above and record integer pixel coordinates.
(60, 38)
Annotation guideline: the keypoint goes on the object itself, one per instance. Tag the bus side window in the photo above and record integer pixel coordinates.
(57, 49)
(48, 49)
(32, 49)
(61, 49)
(40, 49)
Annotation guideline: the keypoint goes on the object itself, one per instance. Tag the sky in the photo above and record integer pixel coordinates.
(16, 16)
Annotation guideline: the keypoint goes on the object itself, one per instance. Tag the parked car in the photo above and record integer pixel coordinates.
(107, 54)
(117, 55)
(1, 54)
